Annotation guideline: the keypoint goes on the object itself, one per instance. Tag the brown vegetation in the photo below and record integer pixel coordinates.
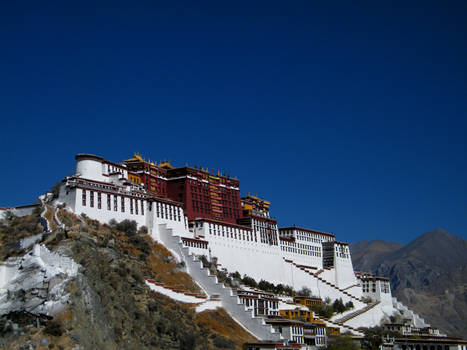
(14, 229)
(220, 322)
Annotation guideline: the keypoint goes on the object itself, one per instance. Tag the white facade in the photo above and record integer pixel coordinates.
(238, 248)
(303, 246)
(376, 288)
(102, 191)
(336, 255)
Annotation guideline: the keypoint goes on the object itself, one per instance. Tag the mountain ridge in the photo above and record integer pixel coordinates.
(427, 274)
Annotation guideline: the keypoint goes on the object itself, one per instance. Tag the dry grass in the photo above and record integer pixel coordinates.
(163, 268)
(221, 323)
(158, 263)
(49, 215)
(13, 231)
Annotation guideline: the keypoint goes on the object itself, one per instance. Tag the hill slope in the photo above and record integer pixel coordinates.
(428, 274)
(106, 304)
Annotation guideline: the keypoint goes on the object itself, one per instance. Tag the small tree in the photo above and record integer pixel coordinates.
(143, 230)
(236, 275)
(279, 289)
(55, 190)
(266, 286)
(250, 282)
(304, 292)
(342, 343)
(338, 306)
(288, 290)
(127, 226)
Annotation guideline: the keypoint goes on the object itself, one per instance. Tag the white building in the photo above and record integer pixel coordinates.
(255, 246)
(101, 190)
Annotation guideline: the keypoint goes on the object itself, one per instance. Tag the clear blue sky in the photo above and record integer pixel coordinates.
(349, 117)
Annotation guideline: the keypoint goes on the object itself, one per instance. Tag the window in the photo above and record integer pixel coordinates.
(99, 200)
(108, 201)
(136, 206)
(142, 207)
(123, 204)
(115, 203)
(84, 198)
(131, 205)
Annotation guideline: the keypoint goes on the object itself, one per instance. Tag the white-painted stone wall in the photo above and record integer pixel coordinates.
(149, 215)
(370, 318)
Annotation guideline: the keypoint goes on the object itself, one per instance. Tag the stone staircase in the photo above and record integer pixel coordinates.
(43, 220)
(342, 327)
(353, 285)
(355, 313)
(316, 275)
(405, 311)
(211, 286)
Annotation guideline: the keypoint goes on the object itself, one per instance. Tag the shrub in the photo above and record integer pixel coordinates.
(143, 230)
(222, 342)
(128, 227)
(55, 190)
(236, 275)
(204, 260)
(338, 306)
(250, 282)
(304, 292)
(323, 310)
(342, 343)
(266, 286)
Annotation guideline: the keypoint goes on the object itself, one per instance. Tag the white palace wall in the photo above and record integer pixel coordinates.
(146, 215)
(237, 248)
(344, 273)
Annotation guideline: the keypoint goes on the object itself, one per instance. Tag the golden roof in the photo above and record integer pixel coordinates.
(166, 165)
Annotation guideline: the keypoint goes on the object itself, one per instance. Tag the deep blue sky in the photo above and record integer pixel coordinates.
(349, 117)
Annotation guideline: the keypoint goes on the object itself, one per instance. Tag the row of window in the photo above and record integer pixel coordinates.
(300, 251)
(113, 201)
(266, 304)
(227, 231)
(112, 169)
(269, 237)
(136, 206)
(307, 236)
(368, 286)
(203, 245)
(300, 248)
(169, 212)
(267, 231)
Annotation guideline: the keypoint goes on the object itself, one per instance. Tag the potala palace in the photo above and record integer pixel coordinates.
(195, 212)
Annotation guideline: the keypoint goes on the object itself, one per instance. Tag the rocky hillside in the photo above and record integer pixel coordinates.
(428, 274)
(98, 299)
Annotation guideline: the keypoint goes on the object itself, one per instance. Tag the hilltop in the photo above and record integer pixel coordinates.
(429, 274)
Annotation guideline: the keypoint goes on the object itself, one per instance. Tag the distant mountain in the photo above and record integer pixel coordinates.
(367, 254)
(429, 275)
